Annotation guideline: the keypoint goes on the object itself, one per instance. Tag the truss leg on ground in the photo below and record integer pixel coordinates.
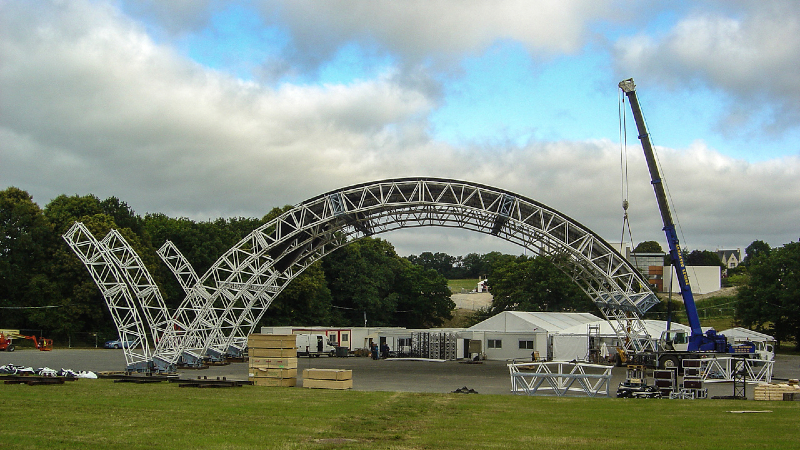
(120, 301)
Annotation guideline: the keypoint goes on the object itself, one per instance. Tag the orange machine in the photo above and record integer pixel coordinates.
(6, 344)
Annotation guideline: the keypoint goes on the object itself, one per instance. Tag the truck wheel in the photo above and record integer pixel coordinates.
(668, 362)
(10, 348)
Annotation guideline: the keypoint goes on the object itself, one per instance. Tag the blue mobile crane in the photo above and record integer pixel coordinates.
(670, 353)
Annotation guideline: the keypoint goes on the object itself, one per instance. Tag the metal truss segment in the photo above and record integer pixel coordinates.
(119, 299)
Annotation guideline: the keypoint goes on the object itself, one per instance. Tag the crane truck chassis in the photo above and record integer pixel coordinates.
(674, 346)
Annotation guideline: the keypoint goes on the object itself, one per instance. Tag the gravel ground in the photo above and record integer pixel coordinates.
(489, 377)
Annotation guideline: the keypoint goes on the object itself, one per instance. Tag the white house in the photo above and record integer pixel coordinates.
(731, 258)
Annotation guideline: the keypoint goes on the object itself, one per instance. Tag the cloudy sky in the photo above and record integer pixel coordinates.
(209, 109)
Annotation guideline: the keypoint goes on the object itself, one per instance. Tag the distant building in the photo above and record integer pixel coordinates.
(731, 258)
(702, 279)
(651, 265)
(643, 261)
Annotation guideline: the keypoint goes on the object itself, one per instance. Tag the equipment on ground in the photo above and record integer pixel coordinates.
(674, 346)
(6, 342)
(636, 386)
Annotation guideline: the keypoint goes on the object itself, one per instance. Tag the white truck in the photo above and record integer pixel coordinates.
(315, 344)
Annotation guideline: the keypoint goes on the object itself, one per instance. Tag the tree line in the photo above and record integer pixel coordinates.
(690, 258)
(44, 286)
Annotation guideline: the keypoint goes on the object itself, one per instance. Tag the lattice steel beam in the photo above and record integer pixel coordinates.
(120, 300)
(245, 280)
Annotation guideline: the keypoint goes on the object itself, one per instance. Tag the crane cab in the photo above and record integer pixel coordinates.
(674, 340)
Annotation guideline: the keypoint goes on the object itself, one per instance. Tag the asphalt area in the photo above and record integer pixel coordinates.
(488, 377)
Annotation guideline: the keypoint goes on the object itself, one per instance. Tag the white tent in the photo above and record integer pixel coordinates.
(740, 334)
(573, 342)
(521, 321)
(654, 328)
(521, 335)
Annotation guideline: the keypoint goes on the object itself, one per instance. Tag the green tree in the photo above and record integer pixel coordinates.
(648, 247)
(535, 284)
(25, 237)
(754, 250)
(422, 297)
(474, 265)
(440, 262)
(368, 279)
(771, 299)
(703, 258)
(305, 301)
(361, 276)
(81, 307)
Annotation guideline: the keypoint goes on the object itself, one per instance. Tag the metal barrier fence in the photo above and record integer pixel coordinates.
(560, 378)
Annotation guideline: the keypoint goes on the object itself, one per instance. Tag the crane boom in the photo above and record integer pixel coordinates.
(696, 340)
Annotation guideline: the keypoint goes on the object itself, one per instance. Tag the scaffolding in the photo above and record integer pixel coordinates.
(434, 345)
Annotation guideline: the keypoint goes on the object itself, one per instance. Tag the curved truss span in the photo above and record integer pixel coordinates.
(227, 302)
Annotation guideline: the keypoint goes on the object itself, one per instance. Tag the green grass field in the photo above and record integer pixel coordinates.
(100, 414)
(467, 284)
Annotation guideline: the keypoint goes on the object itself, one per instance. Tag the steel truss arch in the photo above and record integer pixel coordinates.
(241, 285)
(114, 288)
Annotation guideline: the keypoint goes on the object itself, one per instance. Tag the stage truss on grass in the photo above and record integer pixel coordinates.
(225, 304)
(560, 378)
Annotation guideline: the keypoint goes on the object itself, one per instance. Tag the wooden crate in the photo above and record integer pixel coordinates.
(287, 341)
(272, 353)
(265, 372)
(274, 363)
(328, 374)
(774, 392)
(327, 384)
(274, 382)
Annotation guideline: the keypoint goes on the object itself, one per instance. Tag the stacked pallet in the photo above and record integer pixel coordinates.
(776, 391)
(327, 378)
(273, 359)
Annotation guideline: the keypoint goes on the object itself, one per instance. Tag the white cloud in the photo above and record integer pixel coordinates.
(93, 105)
(432, 30)
(750, 53)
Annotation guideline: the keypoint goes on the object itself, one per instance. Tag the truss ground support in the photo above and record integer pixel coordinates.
(191, 360)
(560, 378)
(162, 366)
(739, 378)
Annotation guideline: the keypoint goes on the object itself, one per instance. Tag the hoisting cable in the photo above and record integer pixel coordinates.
(623, 163)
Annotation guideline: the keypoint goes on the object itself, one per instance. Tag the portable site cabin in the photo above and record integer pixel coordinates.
(352, 338)
(520, 335)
